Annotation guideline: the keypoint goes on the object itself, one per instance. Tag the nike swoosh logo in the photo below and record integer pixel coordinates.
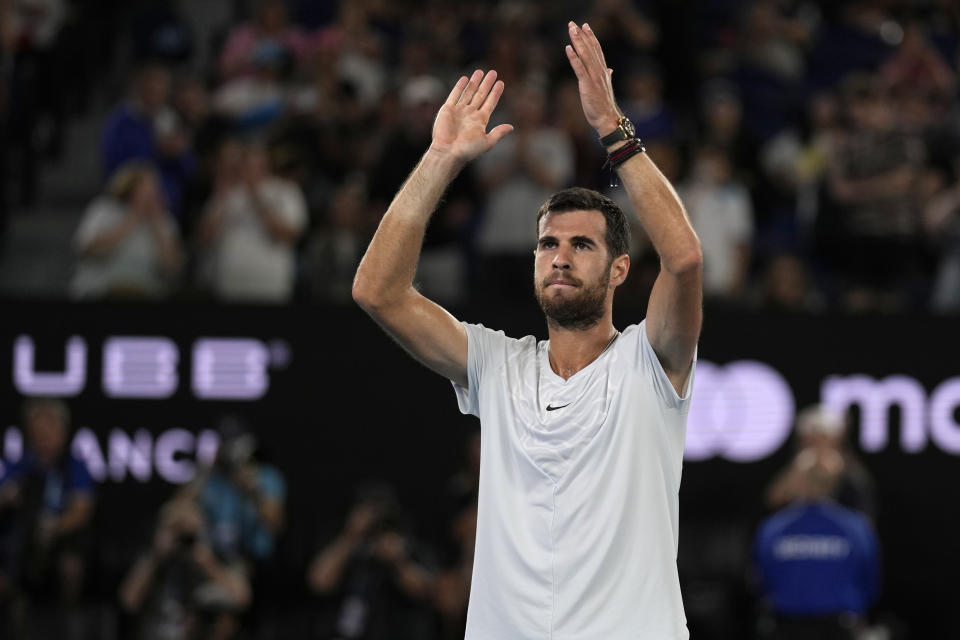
(549, 408)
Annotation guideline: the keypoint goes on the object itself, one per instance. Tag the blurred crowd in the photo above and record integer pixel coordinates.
(815, 143)
(206, 563)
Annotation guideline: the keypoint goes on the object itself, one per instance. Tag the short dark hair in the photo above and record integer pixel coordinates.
(580, 199)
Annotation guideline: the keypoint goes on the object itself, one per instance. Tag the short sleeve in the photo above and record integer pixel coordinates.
(649, 363)
(483, 347)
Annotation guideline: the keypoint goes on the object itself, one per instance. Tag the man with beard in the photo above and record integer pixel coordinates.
(582, 434)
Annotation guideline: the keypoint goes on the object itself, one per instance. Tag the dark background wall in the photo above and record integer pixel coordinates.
(345, 405)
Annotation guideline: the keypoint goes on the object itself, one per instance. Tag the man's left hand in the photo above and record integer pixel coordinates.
(593, 79)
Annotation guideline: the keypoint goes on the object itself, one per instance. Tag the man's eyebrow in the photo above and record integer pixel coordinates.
(543, 239)
(584, 239)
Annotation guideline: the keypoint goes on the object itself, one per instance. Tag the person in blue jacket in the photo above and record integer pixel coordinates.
(817, 562)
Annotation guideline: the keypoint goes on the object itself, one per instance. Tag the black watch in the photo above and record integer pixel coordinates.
(624, 131)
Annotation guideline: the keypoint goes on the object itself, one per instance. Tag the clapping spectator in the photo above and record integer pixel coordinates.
(720, 211)
(127, 243)
(247, 234)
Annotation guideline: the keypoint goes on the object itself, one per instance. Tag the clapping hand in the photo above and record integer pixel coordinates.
(593, 79)
(461, 125)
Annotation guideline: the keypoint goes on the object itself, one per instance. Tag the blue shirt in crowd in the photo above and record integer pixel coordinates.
(129, 135)
(59, 482)
(233, 516)
(817, 559)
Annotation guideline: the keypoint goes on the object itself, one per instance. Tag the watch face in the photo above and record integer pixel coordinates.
(629, 128)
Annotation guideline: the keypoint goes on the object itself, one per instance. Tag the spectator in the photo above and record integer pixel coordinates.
(787, 287)
(335, 249)
(720, 211)
(248, 231)
(242, 497)
(917, 67)
(146, 128)
(942, 223)
(871, 182)
(256, 99)
(644, 104)
(823, 432)
(722, 126)
(519, 174)
(46, 506)
(36, 82)
(127, 243)
(179, 588)
(817, 563)
(442, 269)
(372, 576)
(269, 30)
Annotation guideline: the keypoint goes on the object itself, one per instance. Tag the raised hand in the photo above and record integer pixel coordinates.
(461, 125)
(593, 79)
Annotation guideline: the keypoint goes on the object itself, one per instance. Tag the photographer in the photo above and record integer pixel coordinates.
(242, 497)
(46, 507)
(179, 589)
(370, 576)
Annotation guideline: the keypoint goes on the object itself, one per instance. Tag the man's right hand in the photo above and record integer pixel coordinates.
(460, 129)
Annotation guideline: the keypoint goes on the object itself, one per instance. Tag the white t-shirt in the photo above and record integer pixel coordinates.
(246, 263)
(133, 264)
(723, 218)
(579, 479)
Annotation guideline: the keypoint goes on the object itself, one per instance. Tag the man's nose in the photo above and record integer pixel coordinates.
(561, 259)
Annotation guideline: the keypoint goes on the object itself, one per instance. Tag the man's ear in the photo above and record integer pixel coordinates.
(619, 269)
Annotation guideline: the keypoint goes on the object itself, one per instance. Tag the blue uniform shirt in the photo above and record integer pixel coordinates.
(817, 559)
(59, 483)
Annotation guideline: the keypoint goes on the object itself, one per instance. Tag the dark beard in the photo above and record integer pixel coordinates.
(574, 313)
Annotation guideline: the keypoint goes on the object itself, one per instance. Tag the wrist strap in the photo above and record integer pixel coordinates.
(621, 155)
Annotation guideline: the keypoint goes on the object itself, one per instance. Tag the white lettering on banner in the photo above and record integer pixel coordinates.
(875, 398)
(944, 429)
(170, 466)
(126, 455)
(742, 411)
(86, 447)
(230, 368)
(140, 367)
(168, 456)
(67, 383)
(146, 367)
(811, 547)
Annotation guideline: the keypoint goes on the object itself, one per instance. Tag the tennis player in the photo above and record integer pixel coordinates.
(582, 434)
